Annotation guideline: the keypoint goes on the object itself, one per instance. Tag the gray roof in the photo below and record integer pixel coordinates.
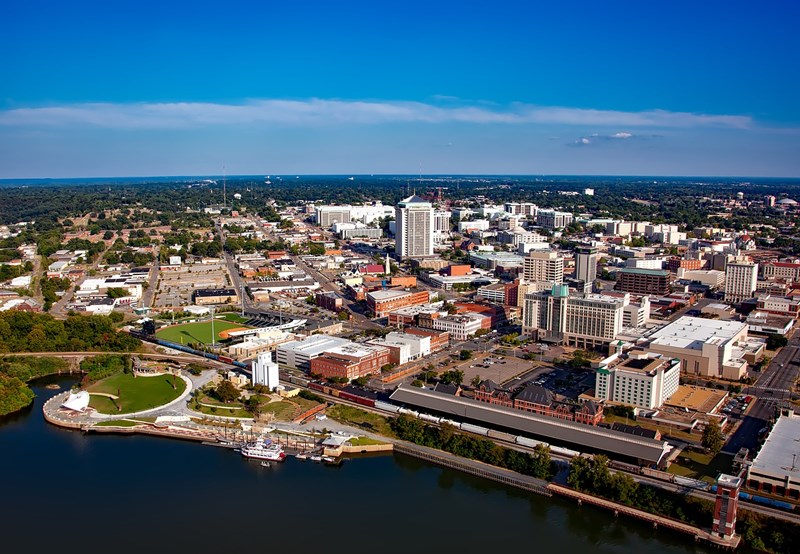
(552, 428)
(535, 394)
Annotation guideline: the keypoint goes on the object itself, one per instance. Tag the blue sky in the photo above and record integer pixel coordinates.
(183, 88)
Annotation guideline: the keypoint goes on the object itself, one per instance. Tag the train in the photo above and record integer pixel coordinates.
(183, 348)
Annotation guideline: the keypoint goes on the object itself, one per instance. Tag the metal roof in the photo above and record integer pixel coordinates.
(595, 438)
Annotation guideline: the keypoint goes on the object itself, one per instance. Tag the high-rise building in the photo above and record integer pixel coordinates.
(586, 266)
(583, 321)
(643, 281)
(740, 280)
(553, 219)
(645, 381)
(543, 266)
(414, 228)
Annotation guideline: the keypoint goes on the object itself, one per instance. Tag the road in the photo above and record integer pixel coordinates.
(58, 309)
(774, 386)
(148, 296)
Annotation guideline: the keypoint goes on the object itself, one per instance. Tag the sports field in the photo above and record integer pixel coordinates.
(197, 332)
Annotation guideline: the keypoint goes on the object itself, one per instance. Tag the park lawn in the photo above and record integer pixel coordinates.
(360, 418)
(230, 411)
(135, 393)
(196, 332)
(702, 466)
(117, 423)
(364, 441)
(283, 410)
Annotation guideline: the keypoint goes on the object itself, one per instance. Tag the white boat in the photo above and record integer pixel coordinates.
(316, 458)
(328, 460)
(301, 456)
(264, 450)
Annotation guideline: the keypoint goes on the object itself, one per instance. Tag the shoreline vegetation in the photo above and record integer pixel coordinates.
(38, 332)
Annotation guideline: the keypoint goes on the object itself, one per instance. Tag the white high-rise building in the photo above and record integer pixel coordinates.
(414, 228)
(645, 380)
(543, 266)
(740, 280)
(265, 371)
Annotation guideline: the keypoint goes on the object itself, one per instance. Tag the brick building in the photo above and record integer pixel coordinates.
(439, 339)
(643, 281)
(381, 302)
(350, 361)
(539, 400)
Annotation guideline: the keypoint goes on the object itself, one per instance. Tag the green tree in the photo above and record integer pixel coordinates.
(476, 381)
(713, 439)
(465, 355)
(227, 392)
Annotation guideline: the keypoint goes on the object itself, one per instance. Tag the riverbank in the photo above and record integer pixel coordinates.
(17, 373)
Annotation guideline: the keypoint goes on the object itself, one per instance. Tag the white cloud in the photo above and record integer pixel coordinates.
(315, 111)
(621, 135)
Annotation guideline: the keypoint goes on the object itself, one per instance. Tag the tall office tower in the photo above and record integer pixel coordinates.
(414, 225)
(543, 266)
(740, 280)
(586, 266)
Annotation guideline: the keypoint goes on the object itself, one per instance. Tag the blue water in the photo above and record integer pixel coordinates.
(63, 491)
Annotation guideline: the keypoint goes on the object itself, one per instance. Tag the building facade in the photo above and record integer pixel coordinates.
(643, 281)
(415, 226)
(265, 371)
(350, 361)
(582, 321)
(740, 281)
(586, 266)
(547, 266)
(642, 381)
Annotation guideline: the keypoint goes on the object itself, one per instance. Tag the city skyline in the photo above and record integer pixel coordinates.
(522, 88)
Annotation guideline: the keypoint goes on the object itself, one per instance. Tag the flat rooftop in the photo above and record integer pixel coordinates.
(780, 455)
(696, 399)
(382, 295)
(314, 345)
(692, 332)
(354, 349)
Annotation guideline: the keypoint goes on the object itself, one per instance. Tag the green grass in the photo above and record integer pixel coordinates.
(234, 409)
(135, 394)
(360, 418)
(283, 410)
(117, 423)
(699, 465)
(196, 332)
(364, 441)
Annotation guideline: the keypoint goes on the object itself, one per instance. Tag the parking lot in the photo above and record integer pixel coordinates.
(497, 368)
(176, 286)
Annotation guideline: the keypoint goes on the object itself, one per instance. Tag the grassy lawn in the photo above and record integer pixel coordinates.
(699, 465)
(135, 393)
(364, 441)
(360, 418)
(234, 409)
(196, 332)
(117, 423)
(283, 410)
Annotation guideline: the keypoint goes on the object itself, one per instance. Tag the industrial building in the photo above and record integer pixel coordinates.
(776, 468)
(707, 347)
(586, 438)
(298, 354)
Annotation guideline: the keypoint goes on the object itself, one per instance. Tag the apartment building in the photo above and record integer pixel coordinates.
(644, 380)
(547, 266)
(740, 281)
(414, 228)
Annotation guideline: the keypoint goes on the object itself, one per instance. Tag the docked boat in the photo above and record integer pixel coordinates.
(316, 458)
(301, 456)
(329, 460)
(264, 450)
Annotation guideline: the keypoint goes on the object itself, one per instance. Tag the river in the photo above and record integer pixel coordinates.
(65, 491)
